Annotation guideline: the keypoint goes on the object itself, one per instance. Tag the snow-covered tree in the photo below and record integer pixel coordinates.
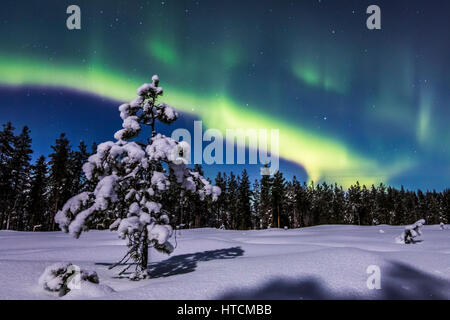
(131, 180)
(411, 232)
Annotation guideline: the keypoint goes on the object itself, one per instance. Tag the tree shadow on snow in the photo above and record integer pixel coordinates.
(398, 282)
(184, 263)
(309, 288)
(404, 282)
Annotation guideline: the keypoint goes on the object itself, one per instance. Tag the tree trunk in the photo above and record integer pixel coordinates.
(181, 217)
(197, 221)
(278, 214)
(8, 220)
(53, 214)
(302, 220)
(144, 248)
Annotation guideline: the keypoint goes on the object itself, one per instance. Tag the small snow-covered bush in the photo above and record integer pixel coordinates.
(62, 277)
(411, 232)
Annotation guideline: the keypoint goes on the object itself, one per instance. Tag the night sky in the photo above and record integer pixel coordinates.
(350, 103)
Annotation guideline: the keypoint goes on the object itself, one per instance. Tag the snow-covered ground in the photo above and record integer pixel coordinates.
(325, 262)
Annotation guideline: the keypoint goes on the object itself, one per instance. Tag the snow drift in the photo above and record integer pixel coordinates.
(324, 262)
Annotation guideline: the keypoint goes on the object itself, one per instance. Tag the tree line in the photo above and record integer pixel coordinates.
(32, 193)
(272, 201)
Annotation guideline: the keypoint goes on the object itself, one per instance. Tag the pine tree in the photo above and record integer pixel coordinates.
(20, 166)
(265, 207)
(6, 153)
(15, 176)
(77, 158)
(220, 204)
(291, 205)
(132, 181)
(244, 215)
(410, 204)
(316, 203)
(256, 212)
(338, 206)
(354, 197)
(433, 208)
(374, 206)
(391, 196)
(366, 207)
(37, 204)
(303, 203)
(232, 200)
(94, 148)
(399, 205)
(59, 178)
(326, 200)
(446, 206)
(278, 200)
(382, 214)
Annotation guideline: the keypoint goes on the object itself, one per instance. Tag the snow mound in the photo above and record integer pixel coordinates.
(88, 290)
(65, 278)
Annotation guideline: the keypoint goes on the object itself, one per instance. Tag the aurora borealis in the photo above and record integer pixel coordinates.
(350, 103)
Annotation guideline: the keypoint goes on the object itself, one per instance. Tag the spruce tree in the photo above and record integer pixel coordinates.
(354, 197)
(6, 153)
(20, 176)
(366, 207)
(244, 202)
(59, 180)
(326, 200)
(232, 200)
(289, 205)
(446, 206)
(399, 216)
(37, 204)
(391, 196)
(256, 207)
(316, 203)
(278, 199)
(381, 215)
(338, 206)
(433, 206)
(220, 204)
(77, 158)
(410, 203)
(265, 207)
(303, 203)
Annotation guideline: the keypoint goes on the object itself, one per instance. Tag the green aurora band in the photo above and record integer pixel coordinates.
(323, 157)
